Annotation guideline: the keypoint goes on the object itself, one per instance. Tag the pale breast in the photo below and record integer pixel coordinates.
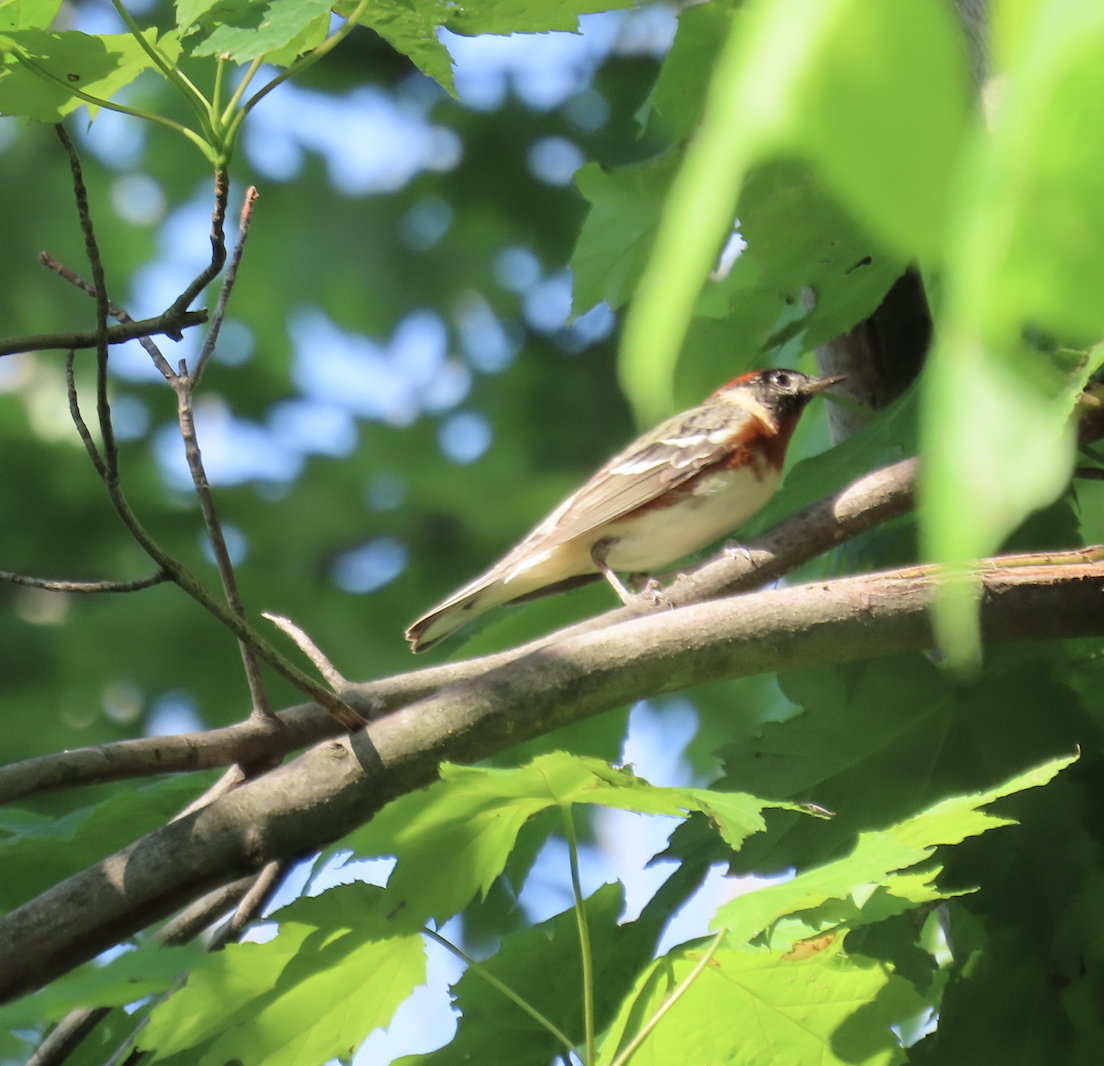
(717, 503)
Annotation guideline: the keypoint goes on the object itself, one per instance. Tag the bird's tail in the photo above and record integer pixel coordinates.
(470, 602)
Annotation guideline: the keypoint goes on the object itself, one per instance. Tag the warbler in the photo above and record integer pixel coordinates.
(682, 485)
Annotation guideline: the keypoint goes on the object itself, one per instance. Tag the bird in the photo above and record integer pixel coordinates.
(677, 488)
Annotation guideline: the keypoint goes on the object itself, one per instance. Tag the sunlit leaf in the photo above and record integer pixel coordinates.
(248, 29)
(453, 838)
(39, 68)
(815, 1004)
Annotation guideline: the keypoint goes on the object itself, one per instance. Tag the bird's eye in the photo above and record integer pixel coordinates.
(780, 378)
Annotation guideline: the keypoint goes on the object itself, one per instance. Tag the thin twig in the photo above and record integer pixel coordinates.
(218, 247)
(211, 339)
(183, 384)
(67, 1035)
(92, 249)
(310, 650)
(115, 311)
(78, 418)
(257, 691)
(84, 586)
(169, 323)
(252, 903)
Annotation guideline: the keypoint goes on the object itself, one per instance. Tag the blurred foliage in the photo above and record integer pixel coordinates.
(842, 136)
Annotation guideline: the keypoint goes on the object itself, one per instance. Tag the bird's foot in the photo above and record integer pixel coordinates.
(647, 590)
(733, 550)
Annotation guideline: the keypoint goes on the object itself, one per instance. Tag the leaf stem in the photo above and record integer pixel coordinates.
(195, 98)
(228, 116)
(505, 989)
(88, 98)
(298, 66)
(584, 935)
(670, 1001)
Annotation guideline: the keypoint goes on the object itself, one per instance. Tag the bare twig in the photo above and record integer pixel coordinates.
(310, 650)
(84, 586)
(78, 418)
(116, 312)
(218, 247)
(168, 323)
(99, 282)
(66, 1036)
(253, 903)
(182, 387)
(338, 785)
(183, 384)
(228, 281)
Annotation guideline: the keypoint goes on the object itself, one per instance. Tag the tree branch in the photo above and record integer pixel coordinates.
(339, 784)
(84, 586)
(873, 499)
(168, 323)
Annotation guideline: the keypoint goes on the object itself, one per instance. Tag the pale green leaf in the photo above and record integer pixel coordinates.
(127, 978)
(875, 859)
(335, 972)
(27, 14)
(453, 838)
(39, 67)
(248, 29)
(219, 987)
(816, 1004)
(331, 1012)
(1025, 254)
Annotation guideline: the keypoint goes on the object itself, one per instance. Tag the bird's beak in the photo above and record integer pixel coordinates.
(820, 384)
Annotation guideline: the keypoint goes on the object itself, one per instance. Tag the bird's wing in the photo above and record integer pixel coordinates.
(672, 454)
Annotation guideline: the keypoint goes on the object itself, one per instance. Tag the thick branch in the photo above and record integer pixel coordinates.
(871, 500)
(339, 784)
(170, 323)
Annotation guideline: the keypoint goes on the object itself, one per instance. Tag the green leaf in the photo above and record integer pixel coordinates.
(335, 972)
(816, 1004)
(410, 27)
(1024, 255)
(127, 978)
(39, 66)
(27, 14)
(219, 987)
(248, 29)
(840, 82)
(803, 248)
(453, 838)
(330, 1013)
(42, 853)
(875, 858)
(309, 38)
(524, 16)
(883, 114)
(879, 740)
(616, 238)
(810, 272)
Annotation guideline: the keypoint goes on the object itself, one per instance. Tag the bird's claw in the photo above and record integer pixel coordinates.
(733, 550)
